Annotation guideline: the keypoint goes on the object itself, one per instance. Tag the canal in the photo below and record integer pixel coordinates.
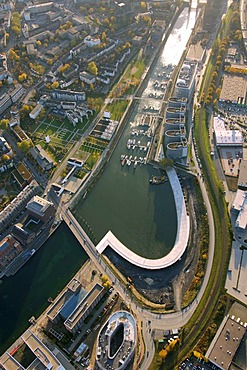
(44, 275)
(142, 216)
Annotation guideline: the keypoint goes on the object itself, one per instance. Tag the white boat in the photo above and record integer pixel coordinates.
(130, 157)
(128, 146)
(135, 164)
(128, 162)
(122, 157)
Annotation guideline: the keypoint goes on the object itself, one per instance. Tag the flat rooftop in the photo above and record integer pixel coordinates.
(226, 342)
(226, 137)
(234, 89)
(83, 306)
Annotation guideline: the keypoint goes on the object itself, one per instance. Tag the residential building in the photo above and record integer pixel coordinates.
(185, 84)
(18, 204)
(5, 148)
(9, 250)
(68, 95)
(9, 98)
(22, 175)
(40, 208)
(87, 78)
(177, 149)
(84, 308)
(44, 358)
(23, 234)
(42, 158)
(91, 41)
(36, 111)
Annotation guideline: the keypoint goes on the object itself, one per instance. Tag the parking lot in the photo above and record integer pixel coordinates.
(194, 363)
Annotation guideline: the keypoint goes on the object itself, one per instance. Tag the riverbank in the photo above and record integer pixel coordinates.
(25, 294)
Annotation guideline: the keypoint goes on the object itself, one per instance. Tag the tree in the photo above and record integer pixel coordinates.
(92, 68)
(55, 85)
(63, 68)
(13, 55)
(103, 36)
(38, 43)
(25, 145)
(4, 123)
(92, 87)
(22, 77)
(25, 110)
(5, 157)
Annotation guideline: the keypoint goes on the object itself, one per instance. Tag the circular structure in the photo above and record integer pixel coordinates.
(116, 342)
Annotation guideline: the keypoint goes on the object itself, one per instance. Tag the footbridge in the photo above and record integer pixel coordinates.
(182, 237)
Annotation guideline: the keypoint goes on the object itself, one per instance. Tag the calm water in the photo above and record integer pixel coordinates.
(141, 215)
(44, 275)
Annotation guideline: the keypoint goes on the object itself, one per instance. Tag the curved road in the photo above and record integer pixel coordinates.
(151, 321)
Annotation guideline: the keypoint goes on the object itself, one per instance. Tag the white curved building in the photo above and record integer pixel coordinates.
(116, 342)
(181, 242)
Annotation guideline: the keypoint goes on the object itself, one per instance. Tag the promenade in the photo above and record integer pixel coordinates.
(182, 237)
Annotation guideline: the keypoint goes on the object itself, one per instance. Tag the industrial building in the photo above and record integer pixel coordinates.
(226, 137)
(239, 216)
(116, 342)
(9, 250)
(226, 342)
(242, 178)
(234, 89)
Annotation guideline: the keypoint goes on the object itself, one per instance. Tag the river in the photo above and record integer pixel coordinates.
(44, 275)
(142, 216)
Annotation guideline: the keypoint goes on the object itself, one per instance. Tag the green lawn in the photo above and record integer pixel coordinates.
(117, 109)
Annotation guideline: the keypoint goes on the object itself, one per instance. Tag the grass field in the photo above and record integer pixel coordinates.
(117, 109)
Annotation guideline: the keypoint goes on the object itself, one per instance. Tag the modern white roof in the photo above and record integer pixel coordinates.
(224, 136)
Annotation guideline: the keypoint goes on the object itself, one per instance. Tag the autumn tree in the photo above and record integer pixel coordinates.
(25, 145)
(55, 85)
(5, 157)
(22, 77)
(92, 68)
(13, 55)
(4, 123)
(103, 36)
